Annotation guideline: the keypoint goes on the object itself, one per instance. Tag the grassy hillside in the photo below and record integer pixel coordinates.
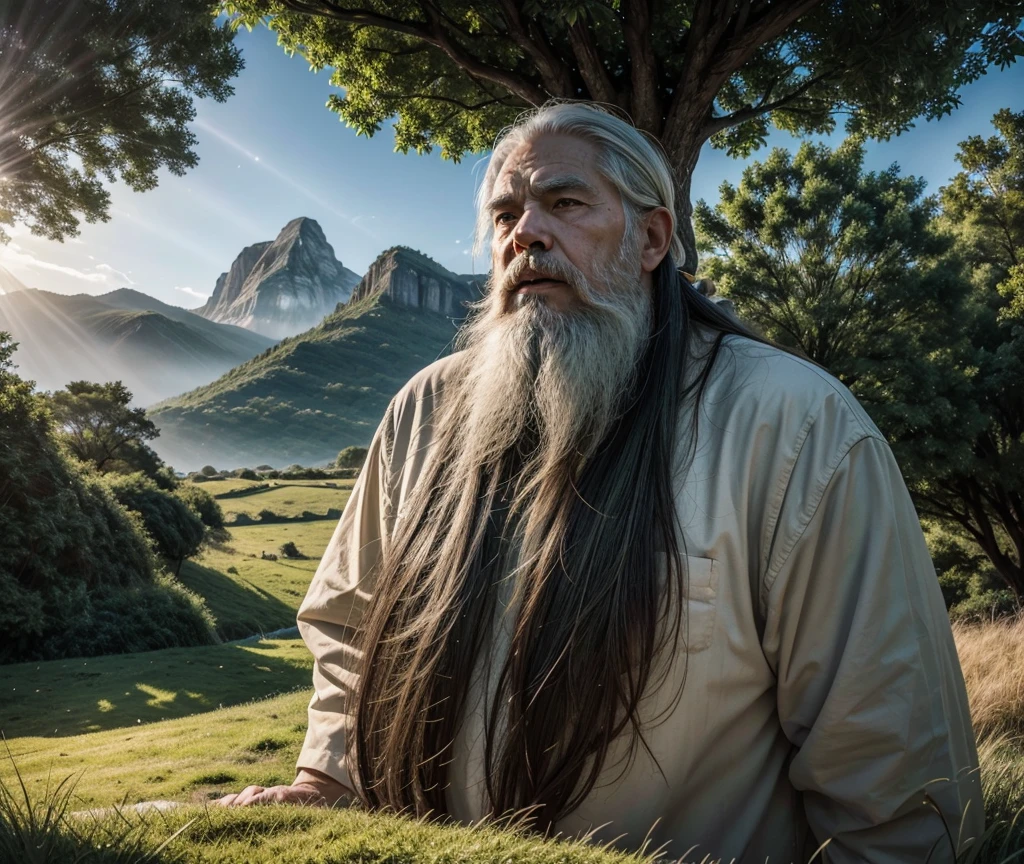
(307, 397)
(248, 594)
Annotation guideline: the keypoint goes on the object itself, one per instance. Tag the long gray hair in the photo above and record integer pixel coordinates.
(605, 563)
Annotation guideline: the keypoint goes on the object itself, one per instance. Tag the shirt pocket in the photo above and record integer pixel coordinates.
(702, 602)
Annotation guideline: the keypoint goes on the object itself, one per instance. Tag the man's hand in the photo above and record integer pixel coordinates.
(309, 787)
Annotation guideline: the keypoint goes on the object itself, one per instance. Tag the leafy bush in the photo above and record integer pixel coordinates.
(207, 470)
(264, 467)
(176, 531)
(163, 614)
(351, 457)
(247, 474)
(290, 550)
(202, 504)
(67, 547)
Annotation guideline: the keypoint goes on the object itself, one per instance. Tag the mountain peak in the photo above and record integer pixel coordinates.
(284, 286)
(409, 278)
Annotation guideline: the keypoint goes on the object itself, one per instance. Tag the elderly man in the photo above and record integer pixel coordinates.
(622, 563)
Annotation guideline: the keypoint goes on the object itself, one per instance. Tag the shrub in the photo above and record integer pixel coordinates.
(202, 504)
(264, 467)
(176, 531)
(207, 470)
(164, 614)
(248, 474)
(66, 544)
(351, 457)
(290, 550)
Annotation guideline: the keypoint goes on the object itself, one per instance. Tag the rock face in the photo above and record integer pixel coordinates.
(409, 278)
(283, 287)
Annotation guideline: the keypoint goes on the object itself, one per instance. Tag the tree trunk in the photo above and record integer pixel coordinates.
(684, 161)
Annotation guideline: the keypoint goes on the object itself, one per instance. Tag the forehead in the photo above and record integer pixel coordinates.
(534, 165)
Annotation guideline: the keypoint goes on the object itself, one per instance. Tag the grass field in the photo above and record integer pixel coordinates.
(257, 596)
(64, 698)
(289, 501)
(191, 724)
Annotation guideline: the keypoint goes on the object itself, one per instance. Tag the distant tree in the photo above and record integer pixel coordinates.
(177, 532)
(979, 486)
(351, 457)
(207, 470)
(456, 72)
(99, 90)
(99, 426)
(264, 467)
(248, 474)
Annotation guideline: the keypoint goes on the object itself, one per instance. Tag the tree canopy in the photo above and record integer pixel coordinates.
(917, 304)
(94, 90)
(982, 490)
(99, 426)
(351, 457)
(455, 72)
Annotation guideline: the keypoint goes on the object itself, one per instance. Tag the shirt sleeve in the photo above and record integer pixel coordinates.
(869, 686)
(334, 606)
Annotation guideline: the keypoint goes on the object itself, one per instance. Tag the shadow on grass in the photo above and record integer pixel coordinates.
(71, 697)
(241, 610)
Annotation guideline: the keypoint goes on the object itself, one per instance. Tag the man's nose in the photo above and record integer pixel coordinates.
(531, 232)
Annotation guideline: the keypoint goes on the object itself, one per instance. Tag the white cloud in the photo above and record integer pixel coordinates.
(123, 277)
(199, 295)
(13, 256)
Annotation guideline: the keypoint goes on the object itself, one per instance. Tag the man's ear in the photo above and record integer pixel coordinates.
(659, 228)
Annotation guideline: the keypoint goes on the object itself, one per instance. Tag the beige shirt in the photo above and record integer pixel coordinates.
(822, 691)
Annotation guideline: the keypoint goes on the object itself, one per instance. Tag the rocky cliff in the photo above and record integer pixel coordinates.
(409, 278)
(283, 287)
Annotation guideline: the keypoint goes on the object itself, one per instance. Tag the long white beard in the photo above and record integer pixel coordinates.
(564, 374)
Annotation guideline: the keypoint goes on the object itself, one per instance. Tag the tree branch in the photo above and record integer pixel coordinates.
(430, 32)
(717, 124)
(448, 99)
(592, 70)
(553, 72)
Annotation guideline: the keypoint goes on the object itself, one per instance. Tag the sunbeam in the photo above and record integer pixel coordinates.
(284, 178)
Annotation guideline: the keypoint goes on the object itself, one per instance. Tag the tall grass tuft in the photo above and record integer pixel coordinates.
(992, 659)
(41, 830)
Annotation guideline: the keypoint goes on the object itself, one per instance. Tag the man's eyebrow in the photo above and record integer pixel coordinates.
(558, 183)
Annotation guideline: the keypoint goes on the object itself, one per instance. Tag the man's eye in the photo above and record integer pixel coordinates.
(567, 201)
(501, 220)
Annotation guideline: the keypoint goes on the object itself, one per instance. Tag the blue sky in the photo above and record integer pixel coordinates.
(273, 152)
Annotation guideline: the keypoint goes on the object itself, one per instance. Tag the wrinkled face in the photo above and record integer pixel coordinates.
(549, 198)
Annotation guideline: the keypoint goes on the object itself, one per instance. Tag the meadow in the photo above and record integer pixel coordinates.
(190, 724)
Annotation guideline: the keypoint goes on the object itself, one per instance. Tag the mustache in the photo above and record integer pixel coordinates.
(544, 264)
